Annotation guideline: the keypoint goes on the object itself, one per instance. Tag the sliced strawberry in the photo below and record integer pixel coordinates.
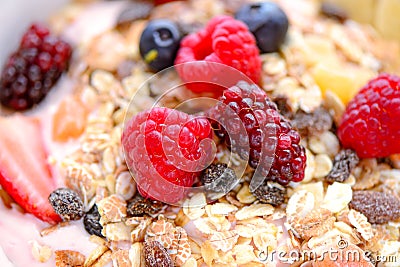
(24, 172)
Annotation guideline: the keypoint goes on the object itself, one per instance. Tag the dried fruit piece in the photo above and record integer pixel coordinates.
(271, 193)
(156, 255)
(343, 164)
(91, 221)
(134, 11)
(219, 178)
(333, 11)
(69, 120)
(139, 206)
(67, 203)
(378, 207)
(317, 121)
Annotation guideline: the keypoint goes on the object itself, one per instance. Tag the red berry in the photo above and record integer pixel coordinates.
(160, 2)
(33, 69)
(226, 41)
(250, 124)
(165, 149)
(370, 124)
(24, 172)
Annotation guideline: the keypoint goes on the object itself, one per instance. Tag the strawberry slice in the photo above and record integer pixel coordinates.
(24, 172)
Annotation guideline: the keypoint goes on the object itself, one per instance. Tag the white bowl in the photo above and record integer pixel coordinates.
(15, 17)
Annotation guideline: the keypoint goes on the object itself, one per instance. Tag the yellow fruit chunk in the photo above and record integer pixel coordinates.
(69, 120)
(319, 49)
(344, 81)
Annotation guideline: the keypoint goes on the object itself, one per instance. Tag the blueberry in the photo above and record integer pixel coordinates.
(159, 43)
(267, 22)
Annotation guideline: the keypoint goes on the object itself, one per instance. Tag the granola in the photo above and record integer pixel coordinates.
(236, 228)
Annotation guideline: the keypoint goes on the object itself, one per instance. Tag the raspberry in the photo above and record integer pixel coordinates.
(253, 128)
(33, 69)
(166, 151)
(370, 123)
(226, 41)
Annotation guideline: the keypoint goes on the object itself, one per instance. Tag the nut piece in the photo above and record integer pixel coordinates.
(254, 211)
(112, 209)
(337, 197)
(41, 253)
(66, 258)
(125, 185)
(121, 258)
(156, 255)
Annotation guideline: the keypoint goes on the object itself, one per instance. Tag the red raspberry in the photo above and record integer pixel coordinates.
(33, 69)
(370, 124)
(250, 124)
(166, 151)
(226, 41)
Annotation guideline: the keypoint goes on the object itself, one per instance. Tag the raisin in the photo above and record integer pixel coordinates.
(218, 178)
(134, 11)
(271, 193)
(317, 121)
(378, 207)
(343, 164)
(283, 106)
(156, 255)
(138, 207)
(91, 221)
(333, 11)
(67, 204)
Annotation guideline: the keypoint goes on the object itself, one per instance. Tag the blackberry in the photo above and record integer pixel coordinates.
(159, 43)
(67, 204)
(250, 125)
(218, 178)
(268, 23)
(33, 69)
(270, 193)
(91, 221)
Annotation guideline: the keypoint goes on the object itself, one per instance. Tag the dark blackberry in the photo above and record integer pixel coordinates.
(267, 22)
(67, 204)
(271, 193)
(343, 164)
(253, 128)
(91, 221)
(139, 206)
(33, 69)
(159, 43)
(218, 178)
